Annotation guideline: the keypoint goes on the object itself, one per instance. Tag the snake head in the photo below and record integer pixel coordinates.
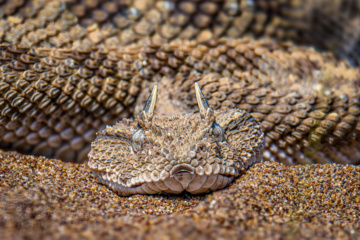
(196, 153)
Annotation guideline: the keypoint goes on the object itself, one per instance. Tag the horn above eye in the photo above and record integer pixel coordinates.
(148, 112)
(201, 100)
(205, 111)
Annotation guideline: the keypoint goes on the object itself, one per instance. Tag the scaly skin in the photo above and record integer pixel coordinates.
(194, 152)
(178, 153)
(290, 89)
(69, 68)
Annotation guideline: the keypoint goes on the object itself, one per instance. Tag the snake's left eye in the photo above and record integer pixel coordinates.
(218, 132)
(138, 139)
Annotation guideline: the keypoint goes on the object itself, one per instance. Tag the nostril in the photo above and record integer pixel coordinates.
(182, 168)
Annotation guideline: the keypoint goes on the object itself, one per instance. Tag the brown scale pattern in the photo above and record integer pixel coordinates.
(300, 129)
(66, 70)
(52, 100)
(82, 24)
(305, 99)
(175, 143)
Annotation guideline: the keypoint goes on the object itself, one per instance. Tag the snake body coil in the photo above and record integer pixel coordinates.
(69, 68)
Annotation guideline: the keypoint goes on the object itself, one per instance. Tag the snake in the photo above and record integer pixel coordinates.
(236, 82)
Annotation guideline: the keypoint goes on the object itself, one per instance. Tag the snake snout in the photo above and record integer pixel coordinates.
(182, 168)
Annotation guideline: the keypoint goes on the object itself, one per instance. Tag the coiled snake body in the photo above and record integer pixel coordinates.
(70, 68)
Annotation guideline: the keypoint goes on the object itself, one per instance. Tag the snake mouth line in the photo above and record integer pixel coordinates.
(181, 172)
(181, 180)
(177, 174)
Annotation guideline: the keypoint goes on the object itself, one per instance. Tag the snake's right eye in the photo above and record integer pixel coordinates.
(138, 139)
(218, 132)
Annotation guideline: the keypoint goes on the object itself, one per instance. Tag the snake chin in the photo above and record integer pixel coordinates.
(182, 180)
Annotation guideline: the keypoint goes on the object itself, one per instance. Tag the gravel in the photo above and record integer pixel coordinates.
(43, 198)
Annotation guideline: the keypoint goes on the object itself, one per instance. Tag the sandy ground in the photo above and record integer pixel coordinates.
(48, 199)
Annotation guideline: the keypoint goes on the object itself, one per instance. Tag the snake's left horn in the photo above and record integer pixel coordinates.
(148, 112)
(205, 110)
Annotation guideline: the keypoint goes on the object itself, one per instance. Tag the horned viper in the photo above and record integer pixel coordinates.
(69, 68)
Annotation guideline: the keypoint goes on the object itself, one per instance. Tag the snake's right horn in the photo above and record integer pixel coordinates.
(205, 110)
(148, 112)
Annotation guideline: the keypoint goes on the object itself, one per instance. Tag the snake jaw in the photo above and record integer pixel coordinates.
(181, 181)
